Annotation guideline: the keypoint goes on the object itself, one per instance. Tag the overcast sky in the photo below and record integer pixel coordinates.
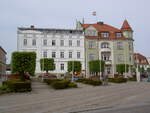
(63, 14)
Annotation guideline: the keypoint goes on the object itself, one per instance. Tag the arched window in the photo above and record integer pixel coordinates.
(105, 45)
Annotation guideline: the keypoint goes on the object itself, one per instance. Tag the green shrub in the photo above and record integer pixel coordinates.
(16, 85)
(60, 84)
(4, 89)
(50, 81)
(72, 85)
(117, 80)
(132, 79)
(90, 82)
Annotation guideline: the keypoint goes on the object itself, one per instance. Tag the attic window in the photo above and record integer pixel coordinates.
(118, 35)
(105, 34)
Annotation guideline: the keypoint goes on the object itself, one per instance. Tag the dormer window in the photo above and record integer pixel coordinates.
(105, 34)
(91, 33)
(118, 35)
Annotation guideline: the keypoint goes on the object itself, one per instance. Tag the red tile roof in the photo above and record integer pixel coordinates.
(104, 28)
(140, 57)
(126, 26)
(99, 37)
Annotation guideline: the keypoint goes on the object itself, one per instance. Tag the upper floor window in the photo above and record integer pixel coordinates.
(53, 54)
(118, 35)
(78, 43)
(70, 54)
(45, 54)
(53, 42)
(105, 34)
(120, 58)
(92, 56)
(45, 42)
(119, 45)
(105, 56)
(91, 44)
(130, 46)
(25, 42)
(61, 54)
(78, 54)
(61, 66)
(34, 42)
(70, 42)
(90, 33)
(61, 42)
(105, 45)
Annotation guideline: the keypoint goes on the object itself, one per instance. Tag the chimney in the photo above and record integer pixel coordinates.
(100, 23)
(32, 26)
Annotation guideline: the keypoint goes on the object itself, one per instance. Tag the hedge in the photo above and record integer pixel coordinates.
(117, 80)
(90, 82)
(132, 79)
(16, 85)
(60, 84)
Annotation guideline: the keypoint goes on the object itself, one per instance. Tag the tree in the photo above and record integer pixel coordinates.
(141, 69)
(96, 66)
(47, 64)
(148, 69)
(23, 62)
(74, 66)
(121, 68)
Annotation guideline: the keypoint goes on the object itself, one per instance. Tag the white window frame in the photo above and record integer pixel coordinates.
(62, 66)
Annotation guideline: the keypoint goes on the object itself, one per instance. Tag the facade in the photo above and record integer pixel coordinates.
(141, 61)
(105, 42)
(61, 44)
(2, 61)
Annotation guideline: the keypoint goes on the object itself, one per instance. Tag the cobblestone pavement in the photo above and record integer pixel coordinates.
(46, 100)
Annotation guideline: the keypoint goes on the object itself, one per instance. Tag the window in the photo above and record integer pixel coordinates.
(61, 66)
(78, 54)
(104, 34)
(118, 35)
(91, 33)
(130, 46)
(105, 45)
(45, 42)
(53, 54)
(45, 54)
(61, 54)
(34, 42)
(91, 44)
(53, 42)
(25, 42)
(70, 42)
(120, 58)
(92, 56)
(106, 56)
(119, 45)
(61, 42)
(78, 43)
(70, 54)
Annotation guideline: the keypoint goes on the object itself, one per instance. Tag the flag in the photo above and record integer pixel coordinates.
(94, 13)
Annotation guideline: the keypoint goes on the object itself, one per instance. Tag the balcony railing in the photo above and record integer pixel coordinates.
(105, 50)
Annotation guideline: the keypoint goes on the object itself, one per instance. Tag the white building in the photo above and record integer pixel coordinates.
(61, 44)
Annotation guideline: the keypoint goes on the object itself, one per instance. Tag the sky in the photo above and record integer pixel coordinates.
(64, 13)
